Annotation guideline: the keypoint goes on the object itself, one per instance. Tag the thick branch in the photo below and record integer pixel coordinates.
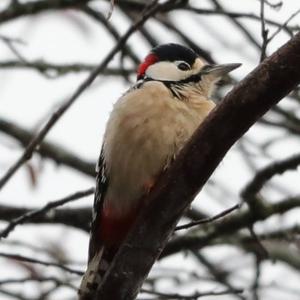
(245, 104)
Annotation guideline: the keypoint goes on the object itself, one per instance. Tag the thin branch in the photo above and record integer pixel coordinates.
(40, 262)
(237, 15)
(97, 16)
(209, 219)
(10, 42)
(195, 296)
(240, 26)
(228, 226)
(15, 11)
(255, 285)
(66, 105)
(261, 253)
(217, 272)
(14, 295)
(42, 211)
(55, 70)
(252, 188)
(182, 5)
(264, 31)
(48, 149)
(275, 6)
(284, 25)
(56, 280)
(76, 217)
(34, 7)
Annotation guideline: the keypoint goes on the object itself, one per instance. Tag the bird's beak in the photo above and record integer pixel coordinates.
(219, 70)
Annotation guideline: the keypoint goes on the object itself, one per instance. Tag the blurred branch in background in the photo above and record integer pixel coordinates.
(48, 150)
(75, 217)
(57, 70)
(249, 36)
(43, 211)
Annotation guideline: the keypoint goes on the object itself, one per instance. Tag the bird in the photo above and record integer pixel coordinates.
(148, 126)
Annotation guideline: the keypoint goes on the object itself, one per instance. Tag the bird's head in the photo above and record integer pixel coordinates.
(181, 69)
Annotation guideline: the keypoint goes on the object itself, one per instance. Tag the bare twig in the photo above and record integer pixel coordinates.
(48, 149)
(54, 70)
(255, 285)
(34, 7)
(264, 31)
(76, 217)
(275, 5)
(209, 219)
(283, 25)
(13, 295)
(237, 15)
(10, 42)
(56, 280)
(221, 275)
(276, 168)
(195, 296)
(262, 252)
(32, 214)
(227, 226)
(98, 17)
(240, 26)
(40, 262)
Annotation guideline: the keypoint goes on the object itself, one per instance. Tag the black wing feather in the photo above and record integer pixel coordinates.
(101, 187)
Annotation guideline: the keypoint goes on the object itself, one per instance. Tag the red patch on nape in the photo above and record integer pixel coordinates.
(149, 60)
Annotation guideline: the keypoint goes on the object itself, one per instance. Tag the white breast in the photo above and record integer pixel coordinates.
(146, 129)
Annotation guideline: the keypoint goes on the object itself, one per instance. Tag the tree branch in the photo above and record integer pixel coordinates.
(42, 211)
(228, 226)
(15, 11)
(75, 217)
(261, 177)
(48, 150)
(245, 104)
(40, 262)
(54, 70)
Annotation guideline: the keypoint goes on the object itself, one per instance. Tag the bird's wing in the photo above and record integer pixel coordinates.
(101, 187)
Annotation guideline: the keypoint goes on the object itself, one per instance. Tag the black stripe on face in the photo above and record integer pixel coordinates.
(193, 78)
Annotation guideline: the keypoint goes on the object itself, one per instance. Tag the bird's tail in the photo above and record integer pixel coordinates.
(96, 269)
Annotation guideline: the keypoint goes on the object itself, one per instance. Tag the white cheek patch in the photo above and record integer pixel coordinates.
(198, 64)
(165, 70)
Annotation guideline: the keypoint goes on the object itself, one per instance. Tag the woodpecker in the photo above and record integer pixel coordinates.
(147, 128)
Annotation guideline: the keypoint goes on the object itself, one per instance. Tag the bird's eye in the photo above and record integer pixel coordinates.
(183, 66)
